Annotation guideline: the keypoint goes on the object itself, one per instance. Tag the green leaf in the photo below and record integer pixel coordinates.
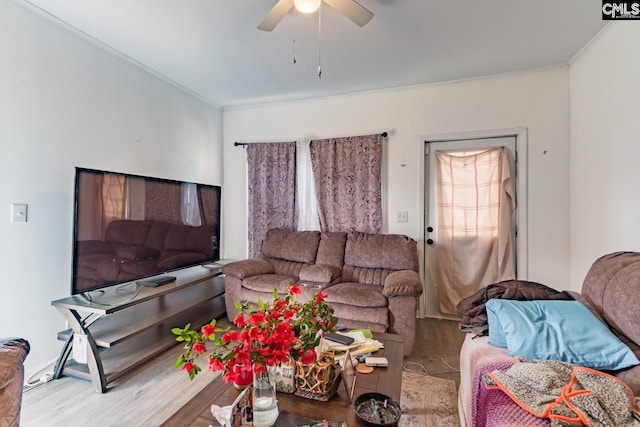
(193, 373)
(179, 362)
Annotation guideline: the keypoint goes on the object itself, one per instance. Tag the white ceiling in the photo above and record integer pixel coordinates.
(213, 49)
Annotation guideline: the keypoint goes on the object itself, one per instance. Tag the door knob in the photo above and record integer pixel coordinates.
(430, 229)
(429, 241)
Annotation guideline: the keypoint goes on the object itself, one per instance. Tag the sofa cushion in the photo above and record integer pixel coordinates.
(331, 249)
(386, 251)
(298, 246)
(368, 276)
(607, 286)
(376, 319)
(319, 273)
(286, 267)
(268, 282)
(355, 295)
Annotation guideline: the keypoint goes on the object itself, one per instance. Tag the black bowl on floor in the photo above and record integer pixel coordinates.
(377, 410)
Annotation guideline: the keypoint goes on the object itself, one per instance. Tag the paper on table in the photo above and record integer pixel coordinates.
(236, 414)
(358, 336)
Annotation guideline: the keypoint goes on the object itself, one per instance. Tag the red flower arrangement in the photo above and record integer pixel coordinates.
(282, 332)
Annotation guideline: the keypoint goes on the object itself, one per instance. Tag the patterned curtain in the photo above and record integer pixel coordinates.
(347, 176)
(271, 190)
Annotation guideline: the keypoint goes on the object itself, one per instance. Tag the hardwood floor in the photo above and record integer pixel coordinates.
(149, 395)
(437, 348)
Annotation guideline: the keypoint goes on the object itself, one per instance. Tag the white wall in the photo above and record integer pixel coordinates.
(66, 102)
(605, 147)
(537, 100)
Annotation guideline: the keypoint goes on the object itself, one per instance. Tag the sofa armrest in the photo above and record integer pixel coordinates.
(13, 351)
(319, 273)
(247, 268)
(402, 283)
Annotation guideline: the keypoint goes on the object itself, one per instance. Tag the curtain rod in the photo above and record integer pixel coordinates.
(243, 144)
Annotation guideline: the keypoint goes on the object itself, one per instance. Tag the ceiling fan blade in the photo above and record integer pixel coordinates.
(275, 15)
(352, 10)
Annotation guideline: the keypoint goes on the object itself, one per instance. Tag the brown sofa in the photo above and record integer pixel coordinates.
(371, 280)
(134, 248)
(13, 351)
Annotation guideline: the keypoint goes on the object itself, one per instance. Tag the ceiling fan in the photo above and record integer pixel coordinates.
(349, 8)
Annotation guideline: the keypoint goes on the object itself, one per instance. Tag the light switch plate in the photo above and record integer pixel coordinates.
(403, 216)
(18, 212)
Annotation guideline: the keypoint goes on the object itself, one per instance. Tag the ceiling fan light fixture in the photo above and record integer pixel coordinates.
(307, 6)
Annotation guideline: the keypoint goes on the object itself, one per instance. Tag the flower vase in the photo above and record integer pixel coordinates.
(243, 376)
(265, 405)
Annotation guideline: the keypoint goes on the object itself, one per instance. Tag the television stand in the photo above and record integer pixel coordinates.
(120, 335)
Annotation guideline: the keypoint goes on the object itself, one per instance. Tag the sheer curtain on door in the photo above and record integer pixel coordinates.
(271, 190)
(475, 238)
(347, 177)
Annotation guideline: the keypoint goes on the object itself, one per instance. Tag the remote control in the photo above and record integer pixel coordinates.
(339, 338)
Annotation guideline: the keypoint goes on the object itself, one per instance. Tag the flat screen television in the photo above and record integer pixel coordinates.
(130, 227)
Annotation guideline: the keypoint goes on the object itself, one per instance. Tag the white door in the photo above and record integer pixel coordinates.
(429, 302)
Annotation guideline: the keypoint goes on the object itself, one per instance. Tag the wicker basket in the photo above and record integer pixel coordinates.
(318, 381)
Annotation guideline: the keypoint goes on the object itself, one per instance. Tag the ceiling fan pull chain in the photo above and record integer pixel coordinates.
(294, 35)
(319, 42)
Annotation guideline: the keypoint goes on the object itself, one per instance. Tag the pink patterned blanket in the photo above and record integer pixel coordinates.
(482, 407)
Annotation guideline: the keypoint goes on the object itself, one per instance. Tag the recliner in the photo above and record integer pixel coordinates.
(13, 351)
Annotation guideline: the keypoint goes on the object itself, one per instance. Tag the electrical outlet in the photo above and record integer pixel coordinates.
(18, 212)
(403, 216)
